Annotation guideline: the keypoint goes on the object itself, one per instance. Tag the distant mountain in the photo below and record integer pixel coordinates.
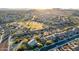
(55, 11)
(14, 14)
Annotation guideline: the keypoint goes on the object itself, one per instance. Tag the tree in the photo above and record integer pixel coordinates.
(22, 47)
(48, 42)
(40, 45)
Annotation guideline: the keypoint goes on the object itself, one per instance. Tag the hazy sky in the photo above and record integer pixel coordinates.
(39, 4)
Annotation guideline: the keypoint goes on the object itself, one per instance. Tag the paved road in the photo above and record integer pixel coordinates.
(17, 46)
(46, 48)
(76, 49)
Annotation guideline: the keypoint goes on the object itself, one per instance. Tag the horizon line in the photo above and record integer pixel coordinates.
(39, 8)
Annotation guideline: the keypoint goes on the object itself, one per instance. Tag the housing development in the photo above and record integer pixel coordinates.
(39, 29)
